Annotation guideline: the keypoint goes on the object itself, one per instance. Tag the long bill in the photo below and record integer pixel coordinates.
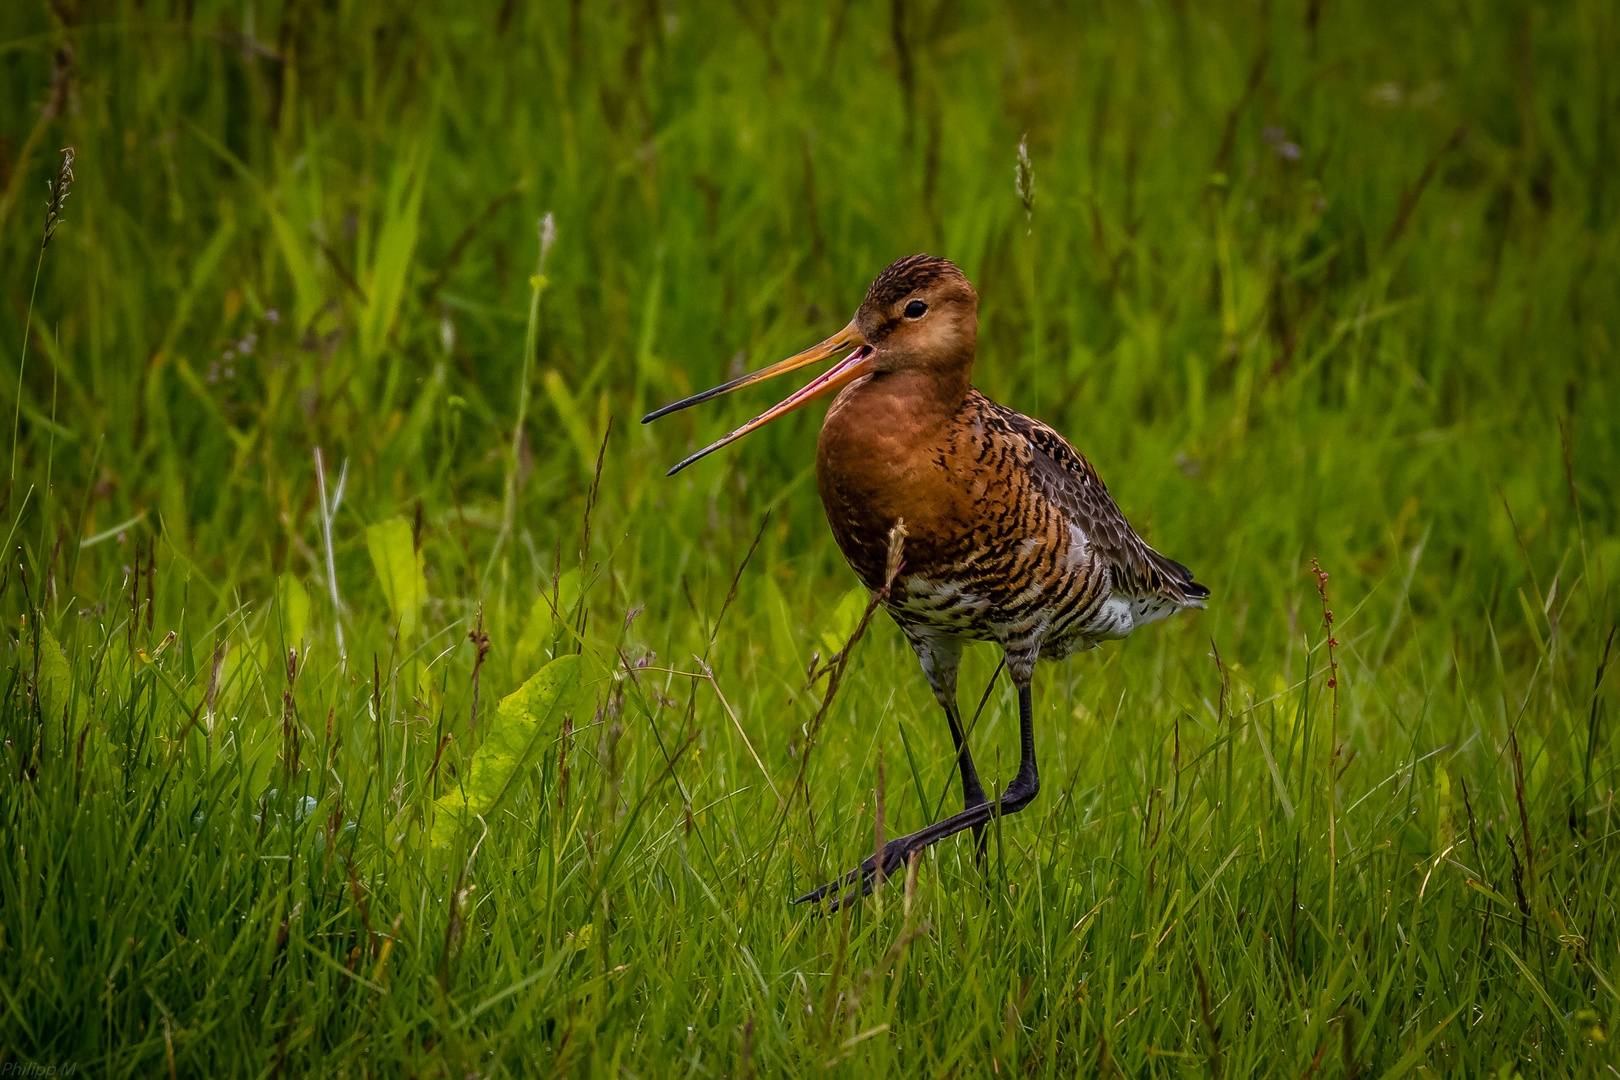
(846, 371)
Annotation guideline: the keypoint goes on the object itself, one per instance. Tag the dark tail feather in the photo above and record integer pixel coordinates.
(1180, 579)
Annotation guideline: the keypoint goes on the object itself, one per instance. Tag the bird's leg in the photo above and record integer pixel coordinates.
(1027, 784)
(972, 790)
(1019, 794)
(941, 658)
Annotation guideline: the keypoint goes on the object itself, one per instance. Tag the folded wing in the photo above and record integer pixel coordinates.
(1063, 475)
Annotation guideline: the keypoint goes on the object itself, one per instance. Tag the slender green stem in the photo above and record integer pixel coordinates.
(22, 364)
(531, 341)
(50, 459)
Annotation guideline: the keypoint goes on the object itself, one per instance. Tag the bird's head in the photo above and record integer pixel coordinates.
(921, 315)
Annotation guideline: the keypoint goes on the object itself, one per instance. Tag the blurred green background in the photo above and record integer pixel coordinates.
(1303, 279)
(1247, 220)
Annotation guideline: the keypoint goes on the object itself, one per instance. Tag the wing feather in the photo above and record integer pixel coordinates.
(1063, 475)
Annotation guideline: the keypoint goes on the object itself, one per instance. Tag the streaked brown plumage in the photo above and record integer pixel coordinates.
(1010, 535)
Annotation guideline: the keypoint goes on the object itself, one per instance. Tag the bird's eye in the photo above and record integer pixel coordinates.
(916, 309)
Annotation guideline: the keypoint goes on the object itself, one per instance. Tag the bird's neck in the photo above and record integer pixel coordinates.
(917, 402)
(877, 424)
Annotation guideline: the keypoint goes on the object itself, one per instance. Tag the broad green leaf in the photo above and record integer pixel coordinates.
(845, 618)
(429, 693)
(306, 287)
(540, 634)
(570, 412)
(54, 680)
(203, 276)
(258, 759)
(646, 362)
(395, 247)
(783, 637)
(243, 664)
(292, 607)
(1442, 803)
(509, 745)
(408, 440)
(399, 571)
(580, 941)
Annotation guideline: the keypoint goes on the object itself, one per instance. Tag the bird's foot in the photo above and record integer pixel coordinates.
(866, 876)
(895, 854)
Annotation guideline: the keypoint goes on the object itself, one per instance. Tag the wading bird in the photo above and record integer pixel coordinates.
(1009, 534)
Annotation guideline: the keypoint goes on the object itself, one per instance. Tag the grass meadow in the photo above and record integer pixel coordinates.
(324, 399)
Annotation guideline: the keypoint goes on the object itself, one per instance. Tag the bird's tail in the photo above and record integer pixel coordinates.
(1179, 585)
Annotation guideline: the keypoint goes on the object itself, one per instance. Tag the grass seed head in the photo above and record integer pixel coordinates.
(548, 237)
(59, 187)
(1024, 178)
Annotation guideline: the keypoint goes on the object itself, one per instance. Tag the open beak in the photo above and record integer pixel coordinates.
(846, 371)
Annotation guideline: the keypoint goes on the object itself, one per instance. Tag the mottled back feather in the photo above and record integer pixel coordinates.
(1065, 477)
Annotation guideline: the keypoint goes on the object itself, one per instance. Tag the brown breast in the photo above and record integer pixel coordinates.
(961, 484)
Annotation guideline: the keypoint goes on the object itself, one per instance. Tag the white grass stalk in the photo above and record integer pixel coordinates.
(328, 512)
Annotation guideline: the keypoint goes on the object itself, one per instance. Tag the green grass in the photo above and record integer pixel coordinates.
(314, 225)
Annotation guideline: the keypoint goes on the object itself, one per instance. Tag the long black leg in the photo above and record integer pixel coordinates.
(941, 657)
(972, 791)
(1028, 780)
(1019, 794)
